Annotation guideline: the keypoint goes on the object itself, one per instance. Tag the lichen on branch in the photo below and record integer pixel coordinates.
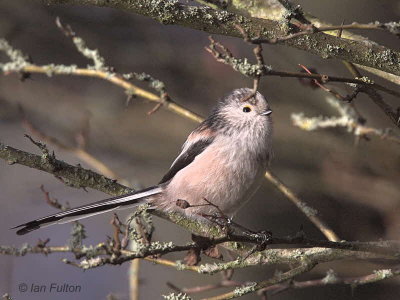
(221, 22)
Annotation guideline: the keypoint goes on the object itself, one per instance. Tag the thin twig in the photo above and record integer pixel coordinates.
(224, 55)
(332, 278)
(53, 201)
(79, 152)
(307, 29)
(238, 292)
(134, 269)
(113, 78)
(307, 210)
(348, 118)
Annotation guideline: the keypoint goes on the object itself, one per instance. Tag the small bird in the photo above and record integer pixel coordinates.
(221, 163)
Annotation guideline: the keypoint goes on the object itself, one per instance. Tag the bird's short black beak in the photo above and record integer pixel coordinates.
(266, 113)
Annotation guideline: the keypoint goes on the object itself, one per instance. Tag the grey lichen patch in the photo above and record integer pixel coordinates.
(297, 254)
(87, 264)
(217, 267)
(203, 17)
(7, 296)
(179, 265)
(161, 10)
(387, 57)
(240, 291)
(180, 296)
(383, 274)
(309, 211)
(17, 59)
(92, 54)
(393, 27)
(237, 246)
(91, 251)
(8, 250)
(154, 83)
(330, 277)
(137, 246)
(193, 225)
(267, 256)
(334, 49)
(78, 234)
(52, 69)
(161, 246)
(13, 54)
(263, 9)
(366, 79)
(347, 119)
(244, 66)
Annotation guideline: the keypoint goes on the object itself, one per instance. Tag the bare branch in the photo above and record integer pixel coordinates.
(310, 212)
(274, 11)
(332, 278)
(304, 267)
(70, 178)
(222, 22)
(224, 55)
(113, 252)
(19, 63)
(78, 151)
(348, 119)
(75, 176)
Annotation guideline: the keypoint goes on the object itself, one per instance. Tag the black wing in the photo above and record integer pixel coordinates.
(186, 157)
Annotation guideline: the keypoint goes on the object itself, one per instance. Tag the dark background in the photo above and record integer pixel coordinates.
(354, 187)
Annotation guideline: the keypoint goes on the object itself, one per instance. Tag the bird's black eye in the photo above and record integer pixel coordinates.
(246, 109)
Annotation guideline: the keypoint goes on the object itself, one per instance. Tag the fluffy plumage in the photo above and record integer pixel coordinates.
(222, 161)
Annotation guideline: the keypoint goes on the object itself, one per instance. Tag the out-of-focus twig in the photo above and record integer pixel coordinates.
(7, 296)
(347, 119)
(78, 151)
(224, 55)
(306, 29)
(310, 212)
(20, 64)
(273, 10)
(226, 281)
(349, 116)
(222, 22)
(332, 278)
(53, 201)
(134, 279)
(251, 288)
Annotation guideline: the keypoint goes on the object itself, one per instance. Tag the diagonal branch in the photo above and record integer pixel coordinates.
(304, 267)
(347, 118)
(243, 66)
(221, 22)
(19, 63)
(272, 9)
(73, 175)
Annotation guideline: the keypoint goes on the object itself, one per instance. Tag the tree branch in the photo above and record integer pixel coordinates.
(75, 176)
(308, 255)
(224, 55)
(347, 118)
(332, 278)
(271, 9)
(20, 63)
(305, 266)
(221, 22)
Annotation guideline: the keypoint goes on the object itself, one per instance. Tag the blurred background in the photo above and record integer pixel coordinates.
(355, 188)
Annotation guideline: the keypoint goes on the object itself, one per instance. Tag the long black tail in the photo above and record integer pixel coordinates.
(85, 211)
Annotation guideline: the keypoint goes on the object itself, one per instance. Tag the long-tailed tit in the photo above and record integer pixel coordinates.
(222, 162)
